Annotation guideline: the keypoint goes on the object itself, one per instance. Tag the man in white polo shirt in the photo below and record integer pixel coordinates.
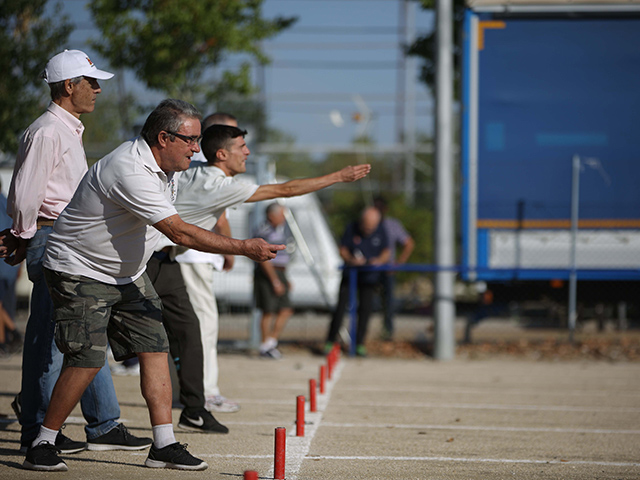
(95, 268)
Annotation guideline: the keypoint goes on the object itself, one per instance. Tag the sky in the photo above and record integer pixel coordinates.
(337, 50)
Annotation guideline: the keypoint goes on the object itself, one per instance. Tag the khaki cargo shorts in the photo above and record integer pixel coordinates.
(89, 313)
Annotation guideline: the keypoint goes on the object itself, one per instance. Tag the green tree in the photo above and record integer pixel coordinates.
(425, 46)
(176, 47)
(27, 41)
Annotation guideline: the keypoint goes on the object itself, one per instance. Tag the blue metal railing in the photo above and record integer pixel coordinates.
(506, 275)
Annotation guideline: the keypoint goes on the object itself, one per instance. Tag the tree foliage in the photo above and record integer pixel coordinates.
(175, 46)
(425, 45)
(27, 41)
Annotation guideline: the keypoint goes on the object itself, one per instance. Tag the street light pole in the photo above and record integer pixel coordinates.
(444, 304)
(573, 277)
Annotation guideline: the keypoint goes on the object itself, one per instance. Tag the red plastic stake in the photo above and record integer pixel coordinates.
(330, 360)
(312, 395)
(323, 378)
(300, 416)
(250, 475)
(279, 457)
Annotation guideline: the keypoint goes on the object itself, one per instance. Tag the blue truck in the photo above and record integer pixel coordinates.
(544, 84)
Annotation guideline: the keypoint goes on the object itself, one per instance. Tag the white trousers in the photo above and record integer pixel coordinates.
(198, 278)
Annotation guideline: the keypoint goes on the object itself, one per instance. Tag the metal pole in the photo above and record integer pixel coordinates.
(353, 310)
(573, 278)
(262, 178)
(444, 312)
(410, 107)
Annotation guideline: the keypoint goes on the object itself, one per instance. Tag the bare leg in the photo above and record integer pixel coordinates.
(265, 325)
(71, 384)
(281, 320)
(155, 384)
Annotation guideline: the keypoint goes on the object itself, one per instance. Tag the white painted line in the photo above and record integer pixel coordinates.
(481, 406)
(469, 406)
(480, 460)
(493, 390)
(298, 447)
(465, 390)
(289, 475)
(482, 428)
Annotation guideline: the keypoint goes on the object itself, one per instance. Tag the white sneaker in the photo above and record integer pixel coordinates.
(221, 404)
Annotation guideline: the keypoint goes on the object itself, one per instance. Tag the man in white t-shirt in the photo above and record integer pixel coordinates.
(205, 193)
(197, 270)
(95, 268)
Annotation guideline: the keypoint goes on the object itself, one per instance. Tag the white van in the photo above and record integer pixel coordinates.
(314, 274)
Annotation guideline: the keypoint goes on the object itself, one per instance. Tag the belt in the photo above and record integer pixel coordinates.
(44, 222)
(162, 254)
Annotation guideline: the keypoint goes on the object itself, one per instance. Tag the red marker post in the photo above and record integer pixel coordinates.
(300, 416)
(330, 365)
(312, 395)
(323, 378)
(250, 475)
(279, 456)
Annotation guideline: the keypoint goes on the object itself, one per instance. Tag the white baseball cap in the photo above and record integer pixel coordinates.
(71, 64)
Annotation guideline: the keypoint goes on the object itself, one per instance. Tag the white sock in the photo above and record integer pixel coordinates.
(45, 435)
(268, 344)
(163, 435)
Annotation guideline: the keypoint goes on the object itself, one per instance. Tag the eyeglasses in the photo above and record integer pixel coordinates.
(185, 138)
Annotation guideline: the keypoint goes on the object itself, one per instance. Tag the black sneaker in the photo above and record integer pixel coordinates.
(174, 456)
(17, 406)
(44, 457)
(63, 443)
(201, 421)
(119, 438)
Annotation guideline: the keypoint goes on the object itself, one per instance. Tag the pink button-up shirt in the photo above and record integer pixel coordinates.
(50, 164)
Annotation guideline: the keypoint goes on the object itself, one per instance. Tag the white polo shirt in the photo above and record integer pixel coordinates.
(105, 232)
(205, 192)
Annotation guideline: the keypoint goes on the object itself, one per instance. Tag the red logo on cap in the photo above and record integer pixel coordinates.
(90, 62)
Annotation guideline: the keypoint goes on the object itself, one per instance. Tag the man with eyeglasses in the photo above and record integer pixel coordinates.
(51, 162)
(94, 266)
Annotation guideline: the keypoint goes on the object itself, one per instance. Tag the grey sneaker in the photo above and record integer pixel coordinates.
(174, 456)
(220, 404)
(44, 457)
(272, 353)
(119, 438)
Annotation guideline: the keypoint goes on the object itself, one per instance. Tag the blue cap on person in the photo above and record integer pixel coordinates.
(71, 64)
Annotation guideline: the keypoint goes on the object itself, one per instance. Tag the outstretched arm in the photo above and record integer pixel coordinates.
(190, 236)
(301, 186)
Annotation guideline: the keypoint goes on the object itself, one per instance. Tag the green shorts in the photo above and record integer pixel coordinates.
(266, 298)
(88, 313)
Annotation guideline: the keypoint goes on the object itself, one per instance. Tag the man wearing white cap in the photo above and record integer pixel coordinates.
(49, 166)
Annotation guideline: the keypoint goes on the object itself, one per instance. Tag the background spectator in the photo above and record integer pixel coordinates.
(364, 243)
(271, 286)
(397, 236)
